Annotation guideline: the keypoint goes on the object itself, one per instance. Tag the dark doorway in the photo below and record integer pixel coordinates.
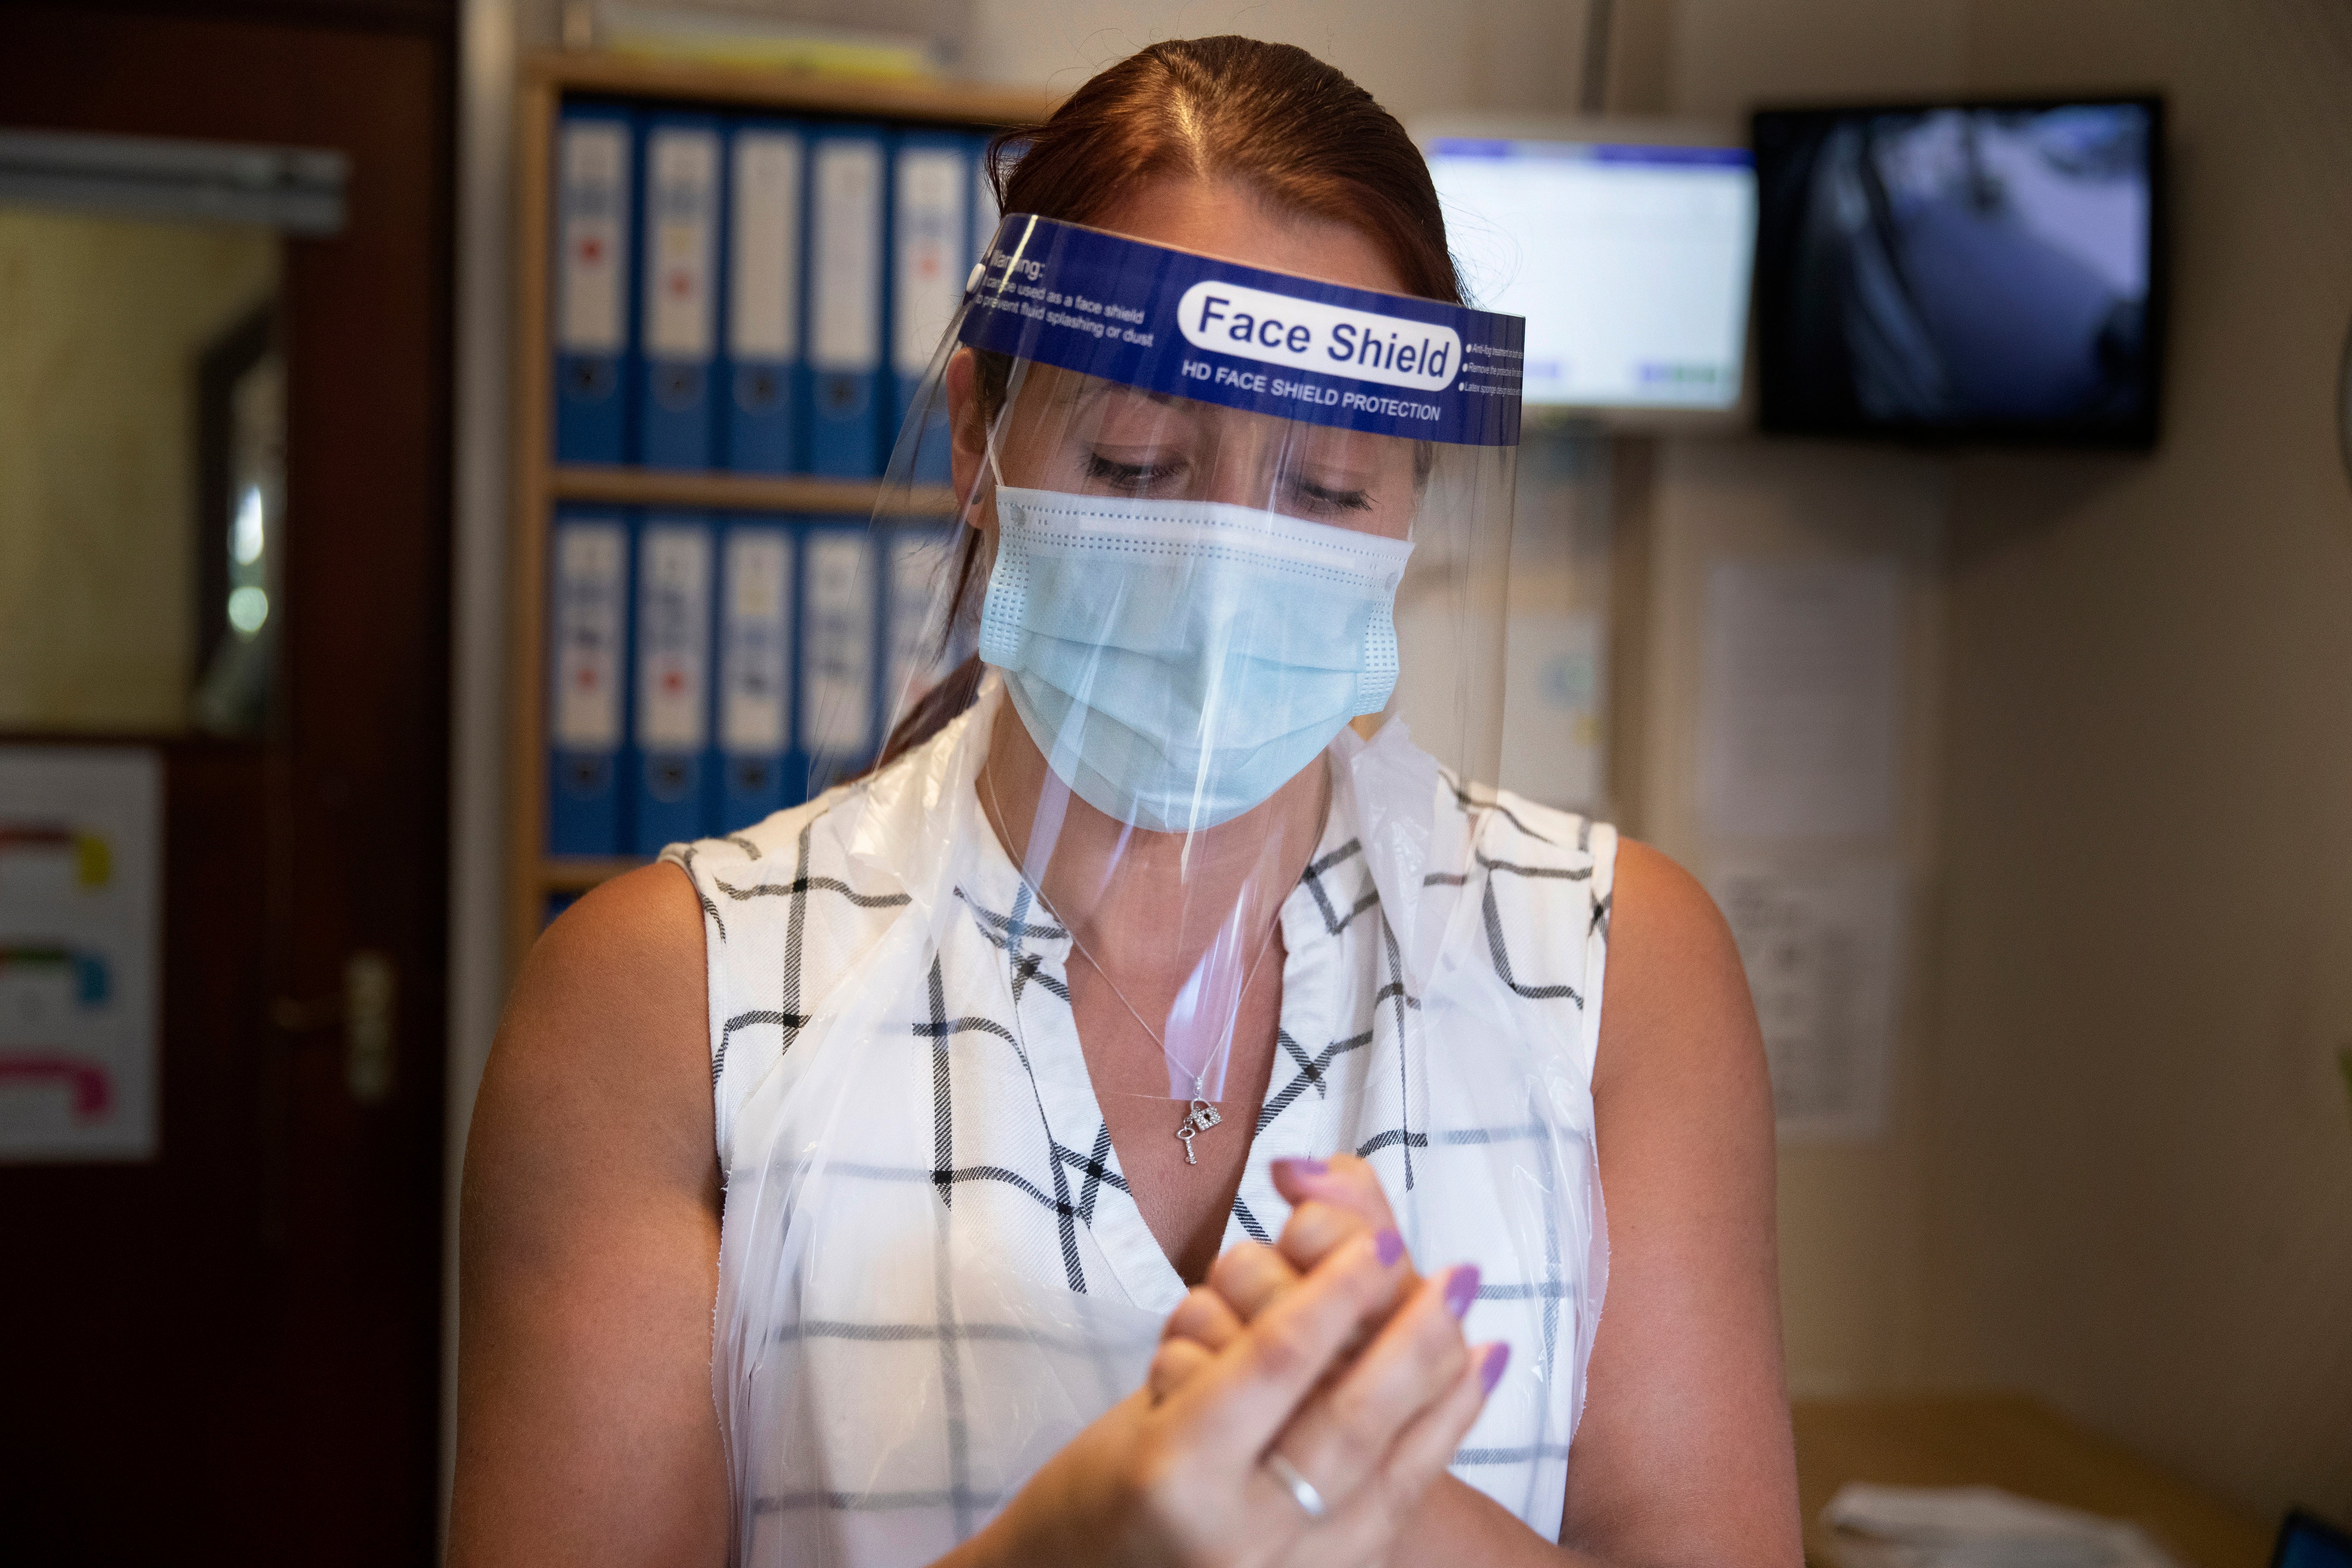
(229, 1351)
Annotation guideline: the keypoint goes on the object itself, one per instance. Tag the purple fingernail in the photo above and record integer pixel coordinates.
(1306, 1167)
(1389, 1247)
(1461, 1289)
(1491, 1365)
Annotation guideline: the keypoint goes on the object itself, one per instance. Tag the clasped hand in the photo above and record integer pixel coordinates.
(1326, 1349)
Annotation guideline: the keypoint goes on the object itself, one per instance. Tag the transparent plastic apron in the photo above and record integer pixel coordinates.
(1204, 527)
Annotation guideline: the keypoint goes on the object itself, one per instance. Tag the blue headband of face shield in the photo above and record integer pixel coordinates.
(1175, 656)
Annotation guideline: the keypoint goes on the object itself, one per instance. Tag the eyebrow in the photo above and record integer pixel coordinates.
(1105, 388)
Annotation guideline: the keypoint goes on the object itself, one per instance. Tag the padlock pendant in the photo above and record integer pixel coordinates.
(1198, 1120)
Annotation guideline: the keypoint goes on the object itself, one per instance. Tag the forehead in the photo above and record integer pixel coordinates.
(1218, 217)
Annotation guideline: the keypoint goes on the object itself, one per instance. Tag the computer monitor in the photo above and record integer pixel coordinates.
(1627, 249)
(1979, 271)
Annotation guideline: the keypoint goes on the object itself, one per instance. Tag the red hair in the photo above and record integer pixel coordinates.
(1269, 116)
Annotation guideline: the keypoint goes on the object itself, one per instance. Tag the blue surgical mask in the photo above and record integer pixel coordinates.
(1180, 661)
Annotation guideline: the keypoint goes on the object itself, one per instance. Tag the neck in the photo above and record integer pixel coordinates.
(1148, 908)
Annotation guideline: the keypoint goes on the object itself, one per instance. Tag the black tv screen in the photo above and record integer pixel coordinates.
(1986, 270)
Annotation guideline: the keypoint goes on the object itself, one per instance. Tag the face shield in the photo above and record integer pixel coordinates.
(1205, 517)
(1191, 574)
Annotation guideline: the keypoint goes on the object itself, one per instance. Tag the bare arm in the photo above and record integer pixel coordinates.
(1684, 1456)
(589, 1252)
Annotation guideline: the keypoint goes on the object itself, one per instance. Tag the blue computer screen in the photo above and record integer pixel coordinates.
(2307, 1542)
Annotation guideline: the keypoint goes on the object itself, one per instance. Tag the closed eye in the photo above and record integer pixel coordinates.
(1132, 478)
(1327, 498)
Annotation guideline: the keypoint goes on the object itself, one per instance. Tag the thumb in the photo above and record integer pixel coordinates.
(1331, 1200)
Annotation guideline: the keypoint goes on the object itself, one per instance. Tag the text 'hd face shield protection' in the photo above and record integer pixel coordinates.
(1209, 516)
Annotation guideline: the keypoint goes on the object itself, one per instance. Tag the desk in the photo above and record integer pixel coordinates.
(2007, 1441)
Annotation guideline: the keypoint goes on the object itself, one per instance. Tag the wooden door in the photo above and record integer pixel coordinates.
(230, 1352)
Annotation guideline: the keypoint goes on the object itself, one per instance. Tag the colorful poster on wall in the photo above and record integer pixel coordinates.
(81, 928)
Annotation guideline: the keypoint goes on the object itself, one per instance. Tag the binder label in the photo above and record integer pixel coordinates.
(838, 645)
(755, 640)
(682, 190)
(594, 224)
(584, 708)
(845, 262)
(764, 252)
(673, 636)
(931, 264)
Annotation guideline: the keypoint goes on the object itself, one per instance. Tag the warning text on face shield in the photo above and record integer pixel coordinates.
(1175, 323)
(1310, 336)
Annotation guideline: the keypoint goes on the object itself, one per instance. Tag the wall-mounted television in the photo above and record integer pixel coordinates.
(1968, 271)
(1627, 248)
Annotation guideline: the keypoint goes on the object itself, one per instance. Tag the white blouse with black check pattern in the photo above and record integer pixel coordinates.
(933, 1272)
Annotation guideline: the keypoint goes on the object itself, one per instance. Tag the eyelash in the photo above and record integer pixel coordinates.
(1339, 501)
(1143, 476)
(1127, 476)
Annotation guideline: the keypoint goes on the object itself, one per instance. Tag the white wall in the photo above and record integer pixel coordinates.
(1493, 54)
(2143, 1189)
(1853, 1243)
(2121, 1167)
(1853, 1215)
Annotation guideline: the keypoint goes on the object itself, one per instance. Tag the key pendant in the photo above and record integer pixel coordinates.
(1202, 1117)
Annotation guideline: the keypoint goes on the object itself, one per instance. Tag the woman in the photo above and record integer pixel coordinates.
(994, 1031)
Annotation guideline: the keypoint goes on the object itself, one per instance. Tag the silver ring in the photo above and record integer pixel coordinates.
(1302, 1491)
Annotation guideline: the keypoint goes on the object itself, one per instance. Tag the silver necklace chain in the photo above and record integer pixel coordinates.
(1202, 1114)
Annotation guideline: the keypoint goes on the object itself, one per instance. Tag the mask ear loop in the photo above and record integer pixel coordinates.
(995, 471)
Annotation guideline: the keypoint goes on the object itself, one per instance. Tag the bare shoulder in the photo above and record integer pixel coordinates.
(607, 1029)
(588, 1250)
(1674, 983)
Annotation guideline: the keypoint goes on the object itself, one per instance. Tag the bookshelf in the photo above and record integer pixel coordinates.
(539, 483)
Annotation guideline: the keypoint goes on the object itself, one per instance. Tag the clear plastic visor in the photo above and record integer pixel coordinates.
(1173, 612)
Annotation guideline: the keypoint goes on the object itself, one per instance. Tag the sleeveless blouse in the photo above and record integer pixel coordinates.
(932, 1271)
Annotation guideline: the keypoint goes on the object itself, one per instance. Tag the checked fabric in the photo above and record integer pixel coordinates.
(932, 1273)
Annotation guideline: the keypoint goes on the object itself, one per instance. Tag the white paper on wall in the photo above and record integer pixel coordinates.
(80, 901)
(1823, 948)
(1801, 698)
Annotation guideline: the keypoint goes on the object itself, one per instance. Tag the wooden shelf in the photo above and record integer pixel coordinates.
(736, 492)
(2006, 1441)
(540, 485)
(578, 873)
(787, 90)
